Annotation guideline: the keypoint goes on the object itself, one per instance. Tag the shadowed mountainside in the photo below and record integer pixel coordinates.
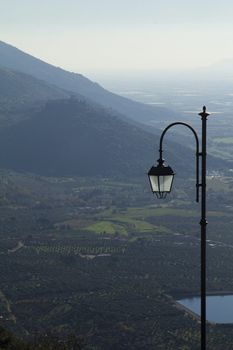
(16, 59)
(73, 136)
(70, 137)
(20, 93)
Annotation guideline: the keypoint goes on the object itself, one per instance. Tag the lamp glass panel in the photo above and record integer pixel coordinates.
(165, 183)
(154, 183)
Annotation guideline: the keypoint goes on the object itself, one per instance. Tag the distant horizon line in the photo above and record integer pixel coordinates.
(165, 73)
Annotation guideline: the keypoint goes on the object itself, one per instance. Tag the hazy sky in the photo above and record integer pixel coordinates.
(98, 35)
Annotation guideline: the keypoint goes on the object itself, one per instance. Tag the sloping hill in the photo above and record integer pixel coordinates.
(16, 59)
(21, 92)
(70, 137)
(16, 86)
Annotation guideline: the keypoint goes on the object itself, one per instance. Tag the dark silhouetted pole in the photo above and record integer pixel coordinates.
(156, 173)
(203, 224)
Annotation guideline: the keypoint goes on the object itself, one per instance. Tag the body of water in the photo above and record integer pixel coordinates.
(219, 308)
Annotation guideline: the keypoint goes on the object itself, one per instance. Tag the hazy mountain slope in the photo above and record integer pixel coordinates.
(21, 92)
(15, 59)
(17, 86)
(70, 137)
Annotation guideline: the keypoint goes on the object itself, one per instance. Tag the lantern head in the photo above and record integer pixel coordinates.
(161, 179)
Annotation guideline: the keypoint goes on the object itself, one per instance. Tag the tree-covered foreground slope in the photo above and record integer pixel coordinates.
(42, 342)
(103, 260)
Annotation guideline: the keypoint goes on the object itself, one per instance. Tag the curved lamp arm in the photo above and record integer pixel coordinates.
(197, 151)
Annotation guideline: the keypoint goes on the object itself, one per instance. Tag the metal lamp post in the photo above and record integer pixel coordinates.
(161, 179)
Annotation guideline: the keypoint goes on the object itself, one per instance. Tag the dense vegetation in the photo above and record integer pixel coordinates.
(47, 342)
(103, 260)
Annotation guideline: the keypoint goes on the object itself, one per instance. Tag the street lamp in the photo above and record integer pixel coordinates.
(161, 179)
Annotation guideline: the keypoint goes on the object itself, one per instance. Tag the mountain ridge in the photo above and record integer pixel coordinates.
(70, 137)
(16, 59)
(51, 139)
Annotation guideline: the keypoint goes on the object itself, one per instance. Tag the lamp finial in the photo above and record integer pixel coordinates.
(204, 114)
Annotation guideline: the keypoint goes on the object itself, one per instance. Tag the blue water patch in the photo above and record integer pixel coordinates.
(219, 308)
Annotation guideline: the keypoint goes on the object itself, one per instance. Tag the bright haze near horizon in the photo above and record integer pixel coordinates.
(113, 38)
